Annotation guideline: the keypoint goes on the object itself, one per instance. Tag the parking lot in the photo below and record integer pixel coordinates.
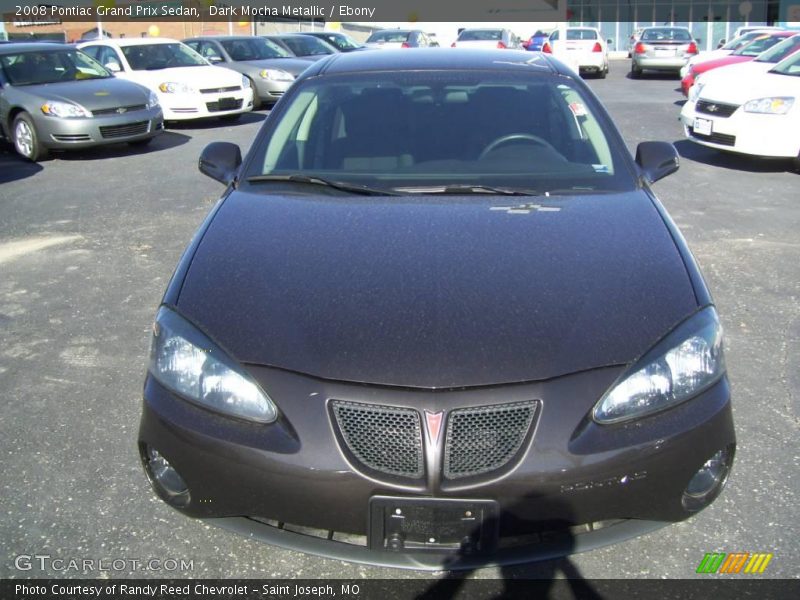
(88, 241)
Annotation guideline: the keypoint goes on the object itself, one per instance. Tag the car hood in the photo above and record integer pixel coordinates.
(205, 76)
(93, 95)
(295, 66)
(707, 65)
(736, 90)
(436, 293)
(737, 73)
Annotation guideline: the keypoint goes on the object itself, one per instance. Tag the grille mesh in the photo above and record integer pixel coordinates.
(115, 131)
(483, 439)
(383, 438)
(723, 139)
(718, 109)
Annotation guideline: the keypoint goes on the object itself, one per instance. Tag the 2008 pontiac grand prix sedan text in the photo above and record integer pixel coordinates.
(438, 318)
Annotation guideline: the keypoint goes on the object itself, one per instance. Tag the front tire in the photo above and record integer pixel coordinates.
(636, 72)
(26, 140)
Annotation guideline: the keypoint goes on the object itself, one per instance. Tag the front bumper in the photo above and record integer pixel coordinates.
(292, 477)
(96, 131)
(269, 92)
(744, 133)
(181, 107)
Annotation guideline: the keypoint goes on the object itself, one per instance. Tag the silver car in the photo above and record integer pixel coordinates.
(662, 49)
(270, 68)
(54, 96)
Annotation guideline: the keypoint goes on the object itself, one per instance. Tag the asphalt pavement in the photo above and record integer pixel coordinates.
(88, 241)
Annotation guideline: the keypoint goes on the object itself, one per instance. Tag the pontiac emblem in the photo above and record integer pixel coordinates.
(434, 425)
(122, 109)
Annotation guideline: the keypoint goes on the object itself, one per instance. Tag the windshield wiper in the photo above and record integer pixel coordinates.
(465, 189)
(314, 180)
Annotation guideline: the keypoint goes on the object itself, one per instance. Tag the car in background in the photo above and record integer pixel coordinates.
(750, 28)
(536, 41)
(303, 46)
(187, 85)
(270, 68)
(584, 49)
(54, 97)
(725, 50)
(663, 49)
(395, 345)
(744, 54)
(745, 71)
(487, 38)
(634, 37)
(386, 39)
(340, 41)
(757, 115)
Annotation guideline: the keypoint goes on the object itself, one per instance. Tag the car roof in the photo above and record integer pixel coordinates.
(434, 59)
(124, 42)
(222, 38)
(15, 47)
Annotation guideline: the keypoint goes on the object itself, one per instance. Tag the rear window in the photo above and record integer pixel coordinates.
(412, 130)
(478, 35)
(581, 34)
(666, 34)
(389, 36)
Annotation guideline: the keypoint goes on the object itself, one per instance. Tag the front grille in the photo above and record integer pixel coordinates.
(382, 438)
(118, 131)
(486, 438)
(718, 109)
(233, 88)
(224, 104)
(118, 110)
(722, 139)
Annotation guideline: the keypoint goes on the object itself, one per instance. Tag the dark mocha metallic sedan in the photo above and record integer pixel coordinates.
(438, 319)
(53, 96)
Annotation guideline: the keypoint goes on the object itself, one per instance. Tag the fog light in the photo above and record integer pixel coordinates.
(165, 479)
(709, 480)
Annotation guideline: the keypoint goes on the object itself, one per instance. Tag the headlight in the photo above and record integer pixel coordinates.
(172, 87)
(683, 364)
(276, 75)
(245, 82)
(152, 101)
(769, 106)
(187, 362)
(64, 110)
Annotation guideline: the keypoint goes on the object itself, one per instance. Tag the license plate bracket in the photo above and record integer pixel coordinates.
(702, 126)
(402, 524)
(228, 103)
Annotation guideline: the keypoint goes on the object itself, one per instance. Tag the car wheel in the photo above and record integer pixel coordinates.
(601, 73)
(636, 72)
(26, 140)
(231, 118)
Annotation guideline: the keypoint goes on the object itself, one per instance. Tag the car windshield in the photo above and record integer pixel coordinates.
(666, 34)
(476, 35)
(253, 48)
(780, 51)
(581, 34)
(789, 66)
(306, 45)
(341, 41)
(151, 57)
(758, 45)
(50, 66)
(389, 36)
(421, 131)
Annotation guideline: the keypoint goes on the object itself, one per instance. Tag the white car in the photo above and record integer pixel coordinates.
(584, 49)
(758, 116)
(187, 85)
(487, 38)
(731, 46)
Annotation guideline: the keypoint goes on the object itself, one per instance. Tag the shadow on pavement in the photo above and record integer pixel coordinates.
(13, 167)
(729, 160)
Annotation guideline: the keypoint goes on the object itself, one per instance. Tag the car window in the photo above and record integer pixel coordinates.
(581, 34)
(666, 34)
(388, 36)
(789, 66)
(477, 35)
(437, 128)
(307, 46)
(93, 51)
(758, 45)
(152, 57)
(50, 66)
(253, 49)
(780, 51)
(108, 56)
(341, 41)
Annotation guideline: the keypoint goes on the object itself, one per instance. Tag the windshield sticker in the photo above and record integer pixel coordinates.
(578, 109)
(601, 169)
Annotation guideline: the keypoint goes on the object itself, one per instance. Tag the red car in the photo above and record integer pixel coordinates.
(743, 54)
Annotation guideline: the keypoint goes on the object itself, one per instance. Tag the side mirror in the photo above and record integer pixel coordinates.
(722, 42)
(220, 161)
(214, 59)
(114, 67)
(657, 159)
(610, 41)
